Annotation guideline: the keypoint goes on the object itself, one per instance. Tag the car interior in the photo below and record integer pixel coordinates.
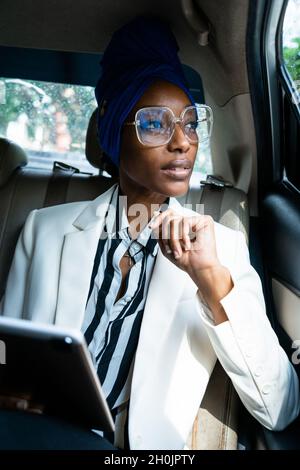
(231, 52)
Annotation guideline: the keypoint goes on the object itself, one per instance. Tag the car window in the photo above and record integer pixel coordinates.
(291, 46)
(49, 121)
(290, 78)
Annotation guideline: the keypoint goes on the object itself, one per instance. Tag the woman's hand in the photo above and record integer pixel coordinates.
(189, 242)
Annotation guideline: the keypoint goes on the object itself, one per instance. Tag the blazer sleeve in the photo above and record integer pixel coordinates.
(13, 301)
(248, 348)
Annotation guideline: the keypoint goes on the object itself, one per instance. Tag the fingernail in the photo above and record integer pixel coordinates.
(176, 254)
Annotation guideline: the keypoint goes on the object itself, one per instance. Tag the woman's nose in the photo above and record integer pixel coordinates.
(179, 140)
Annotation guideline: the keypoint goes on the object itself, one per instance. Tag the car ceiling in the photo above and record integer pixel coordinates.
(87, 25)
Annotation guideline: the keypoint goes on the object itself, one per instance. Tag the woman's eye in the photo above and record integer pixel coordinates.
(149, 125)
(192, 126)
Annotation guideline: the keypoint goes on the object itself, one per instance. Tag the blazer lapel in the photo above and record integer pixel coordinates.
(77, 260)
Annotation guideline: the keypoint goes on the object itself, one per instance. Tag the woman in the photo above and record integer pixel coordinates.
(159, 291)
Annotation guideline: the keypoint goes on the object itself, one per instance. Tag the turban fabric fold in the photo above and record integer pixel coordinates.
(138, 54)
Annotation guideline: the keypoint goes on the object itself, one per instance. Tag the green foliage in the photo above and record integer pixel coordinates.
(291, 56)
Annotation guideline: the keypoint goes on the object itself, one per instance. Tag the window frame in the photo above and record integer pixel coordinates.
(290, 108)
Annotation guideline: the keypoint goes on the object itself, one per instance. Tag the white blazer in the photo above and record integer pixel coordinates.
(178, 343)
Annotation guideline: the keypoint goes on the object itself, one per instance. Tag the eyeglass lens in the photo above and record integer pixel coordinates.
(155, 125)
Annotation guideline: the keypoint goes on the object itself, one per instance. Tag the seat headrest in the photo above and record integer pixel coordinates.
(12, 156)
(94, 154)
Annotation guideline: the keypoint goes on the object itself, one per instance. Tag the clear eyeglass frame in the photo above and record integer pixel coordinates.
(200, 109)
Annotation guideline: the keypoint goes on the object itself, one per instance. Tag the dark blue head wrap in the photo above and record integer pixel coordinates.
(139, 53)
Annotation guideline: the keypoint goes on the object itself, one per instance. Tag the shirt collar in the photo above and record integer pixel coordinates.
(117, 223)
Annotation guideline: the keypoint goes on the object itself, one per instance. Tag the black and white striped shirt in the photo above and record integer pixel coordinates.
(111, 327)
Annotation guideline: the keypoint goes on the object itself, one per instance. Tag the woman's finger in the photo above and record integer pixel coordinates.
(199, 229)
(159, 218)
(175, 235)
(161, 232)
(185, 234)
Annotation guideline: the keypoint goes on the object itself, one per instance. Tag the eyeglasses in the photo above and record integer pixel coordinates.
(155, 125)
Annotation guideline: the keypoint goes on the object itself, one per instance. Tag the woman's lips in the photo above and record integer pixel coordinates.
(177, 173)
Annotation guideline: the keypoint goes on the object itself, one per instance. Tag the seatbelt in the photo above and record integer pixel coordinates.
(224, 203)
(213, 204)
(57, 188)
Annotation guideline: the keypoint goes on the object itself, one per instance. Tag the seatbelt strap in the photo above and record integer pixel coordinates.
(212, 202)
(226, 204)
(58, 184)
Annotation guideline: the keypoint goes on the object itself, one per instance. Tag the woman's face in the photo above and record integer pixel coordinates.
(143, 168)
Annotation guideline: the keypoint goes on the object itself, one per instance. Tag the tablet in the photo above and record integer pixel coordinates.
(48, 369)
